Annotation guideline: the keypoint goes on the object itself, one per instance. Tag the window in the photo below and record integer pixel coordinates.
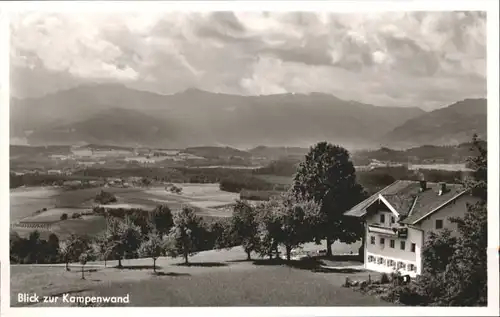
(439, 223)
(382, 241)
(413, 247)
(380, 260)
(402, 245)
(372, 240)
(410, 267)
(393, 220)
(391, 263)
(401, 265)
(382, 218)
(392, 243)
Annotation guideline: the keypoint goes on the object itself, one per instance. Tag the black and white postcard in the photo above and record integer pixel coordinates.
(271, 155)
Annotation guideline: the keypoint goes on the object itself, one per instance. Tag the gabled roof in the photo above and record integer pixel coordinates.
(426, 204)
(411, 203)
(360, 209)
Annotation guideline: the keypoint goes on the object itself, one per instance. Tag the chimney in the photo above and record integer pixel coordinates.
(442, 188)
(423, 186)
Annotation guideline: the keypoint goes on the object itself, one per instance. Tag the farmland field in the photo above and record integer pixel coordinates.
(52, 215)
(26, 201)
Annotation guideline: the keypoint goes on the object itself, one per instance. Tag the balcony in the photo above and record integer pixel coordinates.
(392, 232)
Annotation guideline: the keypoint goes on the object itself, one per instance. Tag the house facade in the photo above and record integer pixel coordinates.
(399, 218)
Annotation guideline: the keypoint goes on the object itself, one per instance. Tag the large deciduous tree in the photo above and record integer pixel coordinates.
(220, 234)
(153, 247)
(162, 219)
(244, 227)
(327, 177)
(297, 217)
(288, 221)
(71, 248)
(185, 236)
(269, 227)
(122, 238)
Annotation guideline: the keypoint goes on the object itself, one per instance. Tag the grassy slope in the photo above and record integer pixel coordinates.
(219, 279)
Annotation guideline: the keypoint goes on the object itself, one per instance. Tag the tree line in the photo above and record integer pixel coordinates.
(426, 154)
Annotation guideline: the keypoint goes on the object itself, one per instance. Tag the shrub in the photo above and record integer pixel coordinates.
(105, 198)
(44, 209)
(395, 277)
(405, 294)
(175, 189)
(98, 210)
(64, 216)
(76, 215)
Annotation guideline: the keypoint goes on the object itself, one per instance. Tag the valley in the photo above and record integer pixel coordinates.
(49, 181)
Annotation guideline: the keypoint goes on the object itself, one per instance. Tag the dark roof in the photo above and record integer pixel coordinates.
(429, 200)
(409, 201)
(360, 209)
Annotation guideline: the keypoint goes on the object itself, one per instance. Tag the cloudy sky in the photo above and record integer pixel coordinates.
(423, 59)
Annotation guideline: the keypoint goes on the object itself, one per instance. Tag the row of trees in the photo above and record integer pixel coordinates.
(237, 183)
(33, 249)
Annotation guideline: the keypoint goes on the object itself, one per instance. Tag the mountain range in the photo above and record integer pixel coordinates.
(451, 125)
(117, 115)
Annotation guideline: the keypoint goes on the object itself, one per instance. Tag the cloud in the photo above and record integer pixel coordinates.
(68, 44)
(424, 59)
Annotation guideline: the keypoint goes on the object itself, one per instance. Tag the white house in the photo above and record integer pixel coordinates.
(399, 218)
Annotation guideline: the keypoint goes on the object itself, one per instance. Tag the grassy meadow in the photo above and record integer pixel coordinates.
(220, 278)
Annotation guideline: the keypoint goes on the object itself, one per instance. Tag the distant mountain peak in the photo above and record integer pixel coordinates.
(449, 125)
(470, 102)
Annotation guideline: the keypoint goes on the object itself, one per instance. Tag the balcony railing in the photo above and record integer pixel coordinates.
(393, 232)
